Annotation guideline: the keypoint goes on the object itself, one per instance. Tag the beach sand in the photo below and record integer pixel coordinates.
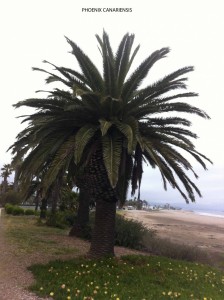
(183, 227)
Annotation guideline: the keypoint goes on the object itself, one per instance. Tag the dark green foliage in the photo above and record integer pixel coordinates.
(9, 208)
(29, 212)
(130, 233)
(61, 219)
(112, 110)
(17, 211)
(13, 210)
(11, 197)
(69, 200)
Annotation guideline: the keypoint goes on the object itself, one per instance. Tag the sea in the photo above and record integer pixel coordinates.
(204, 210)
(218, 214)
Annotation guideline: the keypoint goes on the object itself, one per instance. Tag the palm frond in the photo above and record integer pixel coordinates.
(129, 128)
(137, 171)
(53, 77)
(108, 65)
(61, 160)
(91, 73)
(140, 73)
(82, 138)
(104, 126)
(123, 61)
(112, 148)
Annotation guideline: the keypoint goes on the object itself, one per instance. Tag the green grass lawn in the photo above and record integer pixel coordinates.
(29, 237)
(131, 277)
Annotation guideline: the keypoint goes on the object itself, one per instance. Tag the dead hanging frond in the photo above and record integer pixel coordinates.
(137, 171)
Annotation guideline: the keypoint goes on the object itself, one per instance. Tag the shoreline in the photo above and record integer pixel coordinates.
(185, 227)
(209, 213)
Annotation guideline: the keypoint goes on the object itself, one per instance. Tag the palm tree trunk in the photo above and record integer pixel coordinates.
(81, 223)
(54, 195)
(102, 243)
(43, 209)
(4, 185)
(16, 183)
(37, 200)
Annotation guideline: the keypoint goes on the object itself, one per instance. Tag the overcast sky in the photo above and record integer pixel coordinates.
(32, 31)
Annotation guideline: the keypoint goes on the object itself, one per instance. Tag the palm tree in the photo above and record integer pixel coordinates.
(15, 168)
(105, 127)
(6, 172)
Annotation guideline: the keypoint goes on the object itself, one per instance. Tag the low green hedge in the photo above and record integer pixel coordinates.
(16, 210)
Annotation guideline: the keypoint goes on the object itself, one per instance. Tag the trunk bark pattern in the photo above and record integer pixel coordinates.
(102, 243)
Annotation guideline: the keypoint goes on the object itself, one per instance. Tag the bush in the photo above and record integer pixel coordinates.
(29, 212)
(13, 209)
(167, 248)
(9, 208)
(130, 233)
(61, 219)
(17, 211)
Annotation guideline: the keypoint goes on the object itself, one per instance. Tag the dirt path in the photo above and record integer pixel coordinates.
(13, 274)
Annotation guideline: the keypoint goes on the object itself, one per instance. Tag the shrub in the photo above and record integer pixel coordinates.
(17, 211)
(130, 233)
(29, 212)
(14, 209)
(61, 219)
(9, 208)
(167, 248)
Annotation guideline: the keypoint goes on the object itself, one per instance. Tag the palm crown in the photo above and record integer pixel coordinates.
(109, 114)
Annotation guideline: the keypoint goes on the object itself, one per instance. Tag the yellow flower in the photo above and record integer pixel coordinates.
(68, 290)
(69, 298)
(51, 294)
(63, 286)
(41, 288)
